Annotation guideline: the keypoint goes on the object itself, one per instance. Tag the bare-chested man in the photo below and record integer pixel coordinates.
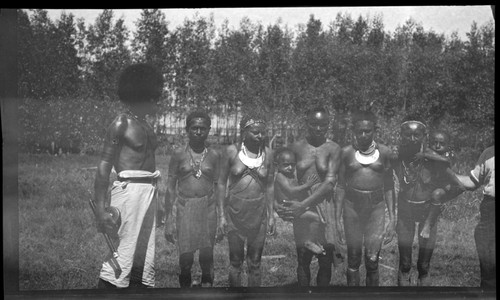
(316, 156)
(247, 172)
(129, 147)
(190, 200)
(366, 185)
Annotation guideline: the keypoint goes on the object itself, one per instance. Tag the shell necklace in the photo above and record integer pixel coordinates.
(196, 164)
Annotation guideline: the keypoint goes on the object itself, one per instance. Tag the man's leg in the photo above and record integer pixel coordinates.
(102, 284)
(255, 246)
(406, 230)
(484, 236)
(206, 259)
(185, 264)
(236, 254)
(354, 241)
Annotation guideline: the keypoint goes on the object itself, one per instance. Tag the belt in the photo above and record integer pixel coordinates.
(138, 180)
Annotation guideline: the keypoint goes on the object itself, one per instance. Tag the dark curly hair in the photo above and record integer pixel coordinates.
(197, 114)
(139, 83)
(280, 151)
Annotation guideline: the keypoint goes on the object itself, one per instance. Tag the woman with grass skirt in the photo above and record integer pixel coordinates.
(245, 199)
(190, 200)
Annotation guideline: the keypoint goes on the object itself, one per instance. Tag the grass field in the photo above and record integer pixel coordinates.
(59, 247)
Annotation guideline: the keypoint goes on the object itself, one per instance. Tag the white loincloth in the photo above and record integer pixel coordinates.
(136, 249)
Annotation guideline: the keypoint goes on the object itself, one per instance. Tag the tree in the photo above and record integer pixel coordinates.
(107, 54)
(192, 82)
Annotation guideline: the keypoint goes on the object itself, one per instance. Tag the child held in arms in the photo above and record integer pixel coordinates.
(449, 187)
(286, 188)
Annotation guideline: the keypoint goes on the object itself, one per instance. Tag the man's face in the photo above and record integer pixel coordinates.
(198, 130)
(438, 142)
(364, 132)
(317, 124)
(286, 164)
(256, 133)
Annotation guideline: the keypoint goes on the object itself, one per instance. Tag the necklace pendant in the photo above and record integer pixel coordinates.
(198, 174)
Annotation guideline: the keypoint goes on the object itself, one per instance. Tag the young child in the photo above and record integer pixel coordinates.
(449, 187)
(286, 188)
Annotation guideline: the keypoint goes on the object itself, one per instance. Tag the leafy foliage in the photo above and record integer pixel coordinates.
(275, 71)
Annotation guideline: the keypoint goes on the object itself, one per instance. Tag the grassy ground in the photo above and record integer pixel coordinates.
(59, 247)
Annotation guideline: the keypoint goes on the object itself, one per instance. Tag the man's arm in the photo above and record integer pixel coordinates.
(111, 148)
(170, 198)
(467, 182)
(270, 194)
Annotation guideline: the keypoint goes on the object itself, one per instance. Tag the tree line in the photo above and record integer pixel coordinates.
(68, 70)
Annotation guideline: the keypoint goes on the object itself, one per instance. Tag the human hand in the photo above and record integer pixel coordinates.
(105, 222)
(390, 232)
(271, 226)
(295, 208)
(170, 231)
(312, 179)
(221, 229)
(340, 232)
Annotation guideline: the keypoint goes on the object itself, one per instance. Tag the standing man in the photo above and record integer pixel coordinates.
(484, 235)
(366, 185)
(316, 155)
(129, 147)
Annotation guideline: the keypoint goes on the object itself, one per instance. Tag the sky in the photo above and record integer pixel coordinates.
(441, 19)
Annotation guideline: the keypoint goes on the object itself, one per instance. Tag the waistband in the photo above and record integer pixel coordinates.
(182, 199)
(138, 180)
(348, 188)
(138, 176)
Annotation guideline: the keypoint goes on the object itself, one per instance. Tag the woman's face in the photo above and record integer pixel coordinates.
(255, 133)
(198, 130)
(317, 124)
(412, 137)
(364, 131)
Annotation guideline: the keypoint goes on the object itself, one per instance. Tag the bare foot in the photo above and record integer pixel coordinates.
(315, 248)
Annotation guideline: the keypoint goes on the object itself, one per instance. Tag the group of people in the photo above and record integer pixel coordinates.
(331, 195)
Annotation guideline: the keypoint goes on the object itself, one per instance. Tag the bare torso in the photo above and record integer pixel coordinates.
(136, 146)
(313, 160)
(242, 183)
(365, 177)
(187, 184)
